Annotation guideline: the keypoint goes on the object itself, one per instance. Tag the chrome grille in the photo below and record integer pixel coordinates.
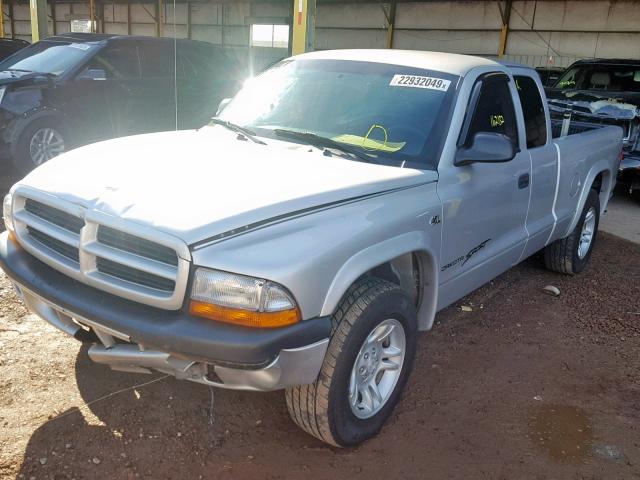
(103, 251)
(57, 246)
(53, 215)
(136, 245)
(134, 276)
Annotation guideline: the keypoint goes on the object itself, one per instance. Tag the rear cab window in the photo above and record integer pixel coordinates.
(535, 120)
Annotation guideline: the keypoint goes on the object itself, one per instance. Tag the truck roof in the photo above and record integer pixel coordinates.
(109, 37)
(444, 62)
(607, 61)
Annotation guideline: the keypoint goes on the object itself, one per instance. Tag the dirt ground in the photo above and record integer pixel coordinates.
(524, 386)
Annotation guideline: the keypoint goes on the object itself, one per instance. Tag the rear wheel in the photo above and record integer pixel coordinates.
(40, 141)
(571, 254)
(368, 361)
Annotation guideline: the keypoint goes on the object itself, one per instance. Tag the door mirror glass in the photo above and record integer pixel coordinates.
(486, 147)
(93, 74)
(222, 104)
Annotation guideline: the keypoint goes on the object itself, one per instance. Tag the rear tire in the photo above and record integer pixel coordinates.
(40, 141)
(328, 409)
(570, 255)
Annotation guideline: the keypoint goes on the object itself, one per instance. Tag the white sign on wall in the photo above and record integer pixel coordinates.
(81, 26)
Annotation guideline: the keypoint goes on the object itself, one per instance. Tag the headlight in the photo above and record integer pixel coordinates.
(247, 301)
(7, 214)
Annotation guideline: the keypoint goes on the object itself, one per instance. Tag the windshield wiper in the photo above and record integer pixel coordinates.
(322, 142)
(251, 135)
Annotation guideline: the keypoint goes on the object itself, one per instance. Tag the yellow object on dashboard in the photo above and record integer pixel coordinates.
(370, 143)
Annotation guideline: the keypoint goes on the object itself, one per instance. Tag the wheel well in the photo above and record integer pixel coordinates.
(404, 271)
(597, 182)
(416, 274)
(601, 185)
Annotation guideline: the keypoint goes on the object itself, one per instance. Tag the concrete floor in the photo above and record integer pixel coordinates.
(622, 218)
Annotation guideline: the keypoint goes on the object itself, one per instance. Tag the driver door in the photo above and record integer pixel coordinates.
(101, 93)
(484, 204)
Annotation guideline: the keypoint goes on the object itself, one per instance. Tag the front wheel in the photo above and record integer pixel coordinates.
(571, 254)
(368, 361)
(40, 141)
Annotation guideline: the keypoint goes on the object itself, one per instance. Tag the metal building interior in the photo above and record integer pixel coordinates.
(534, 32)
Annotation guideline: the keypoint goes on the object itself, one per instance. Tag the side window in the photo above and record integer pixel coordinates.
(157, 59)
(535, 122)
(117, 62)
(494, 112)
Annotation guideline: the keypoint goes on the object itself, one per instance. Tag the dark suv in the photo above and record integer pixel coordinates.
(9, 46)
(75, 89)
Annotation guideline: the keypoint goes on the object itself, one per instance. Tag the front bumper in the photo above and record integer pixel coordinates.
(135, 337)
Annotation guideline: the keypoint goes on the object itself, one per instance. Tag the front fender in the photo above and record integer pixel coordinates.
(374, 255)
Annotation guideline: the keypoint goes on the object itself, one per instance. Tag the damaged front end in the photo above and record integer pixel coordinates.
(588, 109)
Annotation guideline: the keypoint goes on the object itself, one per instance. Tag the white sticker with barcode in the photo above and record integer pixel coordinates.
(80, 46)
(417, 81)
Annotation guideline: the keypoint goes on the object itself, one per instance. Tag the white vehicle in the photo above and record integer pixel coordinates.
(303, 239)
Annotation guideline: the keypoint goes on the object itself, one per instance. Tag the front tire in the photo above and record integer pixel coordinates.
(42, 140)
(366, 366)
(570, 255)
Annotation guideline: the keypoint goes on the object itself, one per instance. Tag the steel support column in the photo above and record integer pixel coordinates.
(53, 17)
(128, 17)
(92, 15)
(11, 19)
(391, 22)
(188, 20)
(504, 31)
(160, 18)
(304, 25)
(38, 10)
(1, 19)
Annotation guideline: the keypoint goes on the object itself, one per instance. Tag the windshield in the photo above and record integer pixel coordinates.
(54, 58)
(608, 78)
(394, 114)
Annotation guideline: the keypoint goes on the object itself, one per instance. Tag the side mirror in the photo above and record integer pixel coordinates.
(93, 74)
(222, 104)
(486, 148)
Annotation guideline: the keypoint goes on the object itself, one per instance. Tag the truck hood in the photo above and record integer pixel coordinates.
(10, 77)
(613, 105)
(199, 184)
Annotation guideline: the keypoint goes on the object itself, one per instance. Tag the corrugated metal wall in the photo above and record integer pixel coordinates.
(541, 31)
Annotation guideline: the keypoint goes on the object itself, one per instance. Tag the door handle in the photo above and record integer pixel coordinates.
(523, 181)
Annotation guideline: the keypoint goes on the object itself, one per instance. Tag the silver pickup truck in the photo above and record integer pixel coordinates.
(304, 238)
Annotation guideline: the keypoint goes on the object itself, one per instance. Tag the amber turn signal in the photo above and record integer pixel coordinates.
(246, 318)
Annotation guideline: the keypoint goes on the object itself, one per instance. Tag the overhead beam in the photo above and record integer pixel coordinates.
(304, 25)
(38, 11)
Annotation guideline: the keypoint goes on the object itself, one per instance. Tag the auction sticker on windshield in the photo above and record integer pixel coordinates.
(417, 81)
